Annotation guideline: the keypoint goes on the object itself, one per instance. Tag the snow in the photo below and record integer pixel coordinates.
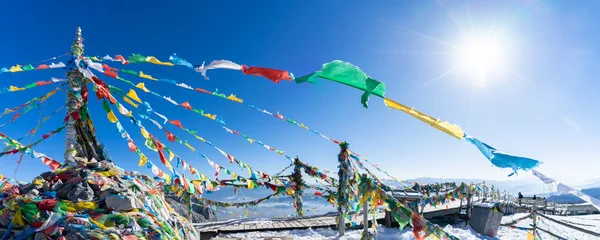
(590, 222)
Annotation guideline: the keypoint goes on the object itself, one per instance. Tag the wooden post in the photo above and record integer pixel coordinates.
(366, 212)
(534, 220)
(297, 180)
(342, 200)
(469, 202)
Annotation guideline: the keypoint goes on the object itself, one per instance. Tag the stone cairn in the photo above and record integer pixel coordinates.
(95, 200)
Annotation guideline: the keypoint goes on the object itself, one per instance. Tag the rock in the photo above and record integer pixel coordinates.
(199, 214)
(64, 190)
(120, 203)
(207, 213)
(56, 186)
(81, 192)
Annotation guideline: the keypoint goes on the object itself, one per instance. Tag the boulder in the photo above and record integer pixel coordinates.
(81, 192)
(120, 203)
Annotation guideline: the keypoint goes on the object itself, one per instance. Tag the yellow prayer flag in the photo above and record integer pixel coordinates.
(451, 129)
(133, 95)
(530, 236)
(14, 89)
(142, 86)
(145, 133)
(86, 206)
(18, 219)
(16, 68)
(111, 117)
(107, 173)
(250, 184)
(234, 98)
(208, 115)
(152, 59)
(50, 94)
(169, 166)
(130, 102)
(143, 160)
(190, 147)
(142, 75)
(167, 177)
(199, 138)
(171, 156)
(96, 59)
(233, 175)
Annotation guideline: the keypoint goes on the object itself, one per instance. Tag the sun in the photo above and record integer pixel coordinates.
(481, 57)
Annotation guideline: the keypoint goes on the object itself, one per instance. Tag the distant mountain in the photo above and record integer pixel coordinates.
(511, 186)
(572, 199)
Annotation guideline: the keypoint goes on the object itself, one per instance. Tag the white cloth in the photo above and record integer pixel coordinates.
(162, 116)
(564, 189)
(542, 177)
(225, 64)
(183, 85)
(54, 217)
(57, 65)
(170, 100)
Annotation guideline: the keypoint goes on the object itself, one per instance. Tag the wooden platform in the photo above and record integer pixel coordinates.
(208, 230)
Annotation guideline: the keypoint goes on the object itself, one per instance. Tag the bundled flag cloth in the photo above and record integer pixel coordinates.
(346, 73)
(501, 159)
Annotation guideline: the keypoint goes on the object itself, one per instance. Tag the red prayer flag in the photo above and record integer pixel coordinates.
(53, 164)
(269, 73)
(42, 66)
(103, 91)
(186, 105)
(44, 136)
(42, 83)
(170, 136)
(121, 58)
(192, 170)
(132, 146)
(273, 187)
(176, 123)
(317, 193)
(84, 93)
(202, 90)
(231, 158)
(108, 71)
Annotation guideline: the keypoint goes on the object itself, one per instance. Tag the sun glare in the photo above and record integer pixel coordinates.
(481, 57)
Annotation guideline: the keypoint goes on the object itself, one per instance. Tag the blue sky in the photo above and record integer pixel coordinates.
(543, 105)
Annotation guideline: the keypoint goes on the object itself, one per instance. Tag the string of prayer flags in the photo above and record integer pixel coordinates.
(138, 58)
(30, 85)
(348, 74)
(450, 129)
(501, 159)
(274, 75)
(53, 164)
(29, 67)
(29, 103)
(19, 148)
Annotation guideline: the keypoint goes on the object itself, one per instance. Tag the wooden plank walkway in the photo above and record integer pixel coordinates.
(212, 229)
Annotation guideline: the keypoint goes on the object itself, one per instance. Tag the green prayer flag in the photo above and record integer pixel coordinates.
(105, 106)
(113, 88)
(348, 74)
(28, 68)
(150, 144)
(31, 85)
(137, 58)
(199, 111)
(129, 72)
